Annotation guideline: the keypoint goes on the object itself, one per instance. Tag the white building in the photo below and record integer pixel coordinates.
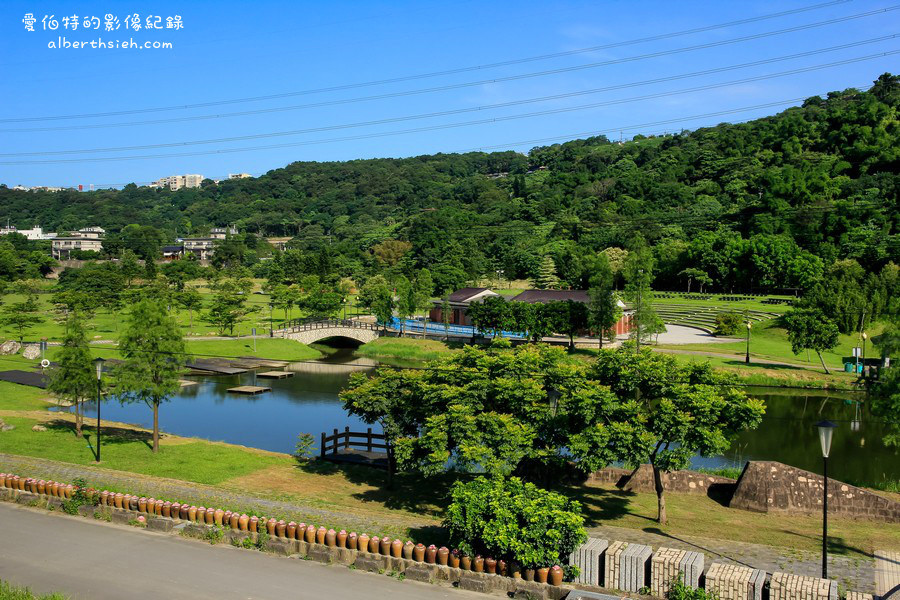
(88, 239)
(36, 233)
(176, 182)
(220, 233)
(239, 176)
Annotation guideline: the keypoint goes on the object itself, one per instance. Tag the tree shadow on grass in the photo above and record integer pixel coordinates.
(836, 545)
(109, 434)
(408, 491)
(773, 367)
(601, 504)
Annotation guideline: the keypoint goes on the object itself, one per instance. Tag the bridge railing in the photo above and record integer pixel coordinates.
(344, 440)
(295, 325)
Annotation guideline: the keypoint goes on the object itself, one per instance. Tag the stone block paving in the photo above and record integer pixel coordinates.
(733, 582)
(668, 565)
(887, 574)
(786, 586)
(852, 572)
(589, 560)
(859, 596)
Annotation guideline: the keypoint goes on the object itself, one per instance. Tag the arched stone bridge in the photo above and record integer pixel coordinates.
(309, 332)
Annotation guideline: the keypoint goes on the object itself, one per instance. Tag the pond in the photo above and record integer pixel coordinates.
(308, 402)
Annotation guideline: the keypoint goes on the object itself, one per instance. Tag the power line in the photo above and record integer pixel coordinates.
(480, 82)
(413, 117)
(443, 72)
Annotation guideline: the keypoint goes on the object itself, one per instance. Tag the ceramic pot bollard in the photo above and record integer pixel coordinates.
(270, 526)
(167, 509)
(384, 546)
(453, 559)
(396, 548)
(310, 534)
(419, 552)
(342, 538)
(160, 504)
(118, 500)
(528, 574)
(362, 543)
(226, 519)
(540, 575)
(465, 562)
(210, 516)
(253, 524)
(281, 528)
(331, 538)
(442, 555)
(218, 517)
(556, 575)
(431, 554)
(374, 544)
(175, 510)
(41, 485)
(192, 513)
(408, 550)
(184, 513)
(291, 531)
(142, 504)
(243, 522)
(501, 567)
(320, 535)
(478, 564)
(490, 565)
(352, 540)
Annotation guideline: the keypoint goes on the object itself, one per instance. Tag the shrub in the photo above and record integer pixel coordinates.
(728, 323)
(304, 447)
(79, 498)
(514, 520)
(680, 591)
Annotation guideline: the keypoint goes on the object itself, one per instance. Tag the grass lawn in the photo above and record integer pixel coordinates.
(271, 348)
(21, 397)
(768, 340)
(9, 592)
(406, 348)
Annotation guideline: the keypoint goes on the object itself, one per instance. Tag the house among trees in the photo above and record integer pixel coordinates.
(460, 300)
(88, 239)
(202, 247)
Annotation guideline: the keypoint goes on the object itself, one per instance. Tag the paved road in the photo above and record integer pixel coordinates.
(94, 560)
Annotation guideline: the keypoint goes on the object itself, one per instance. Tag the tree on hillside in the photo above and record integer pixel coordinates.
(546, 278)
(603, 306)
(682, 411)
(129, 267)
(491, 316)
(25, 315)
(698, 275)
(283, 298)
(154, 354)
(389, 252)
(376, 296)
(569, 318)
(229, 304)
(424, 290)
(809, 328)
(885, 394)
(638, 276)
(190, 300)
(74, 378)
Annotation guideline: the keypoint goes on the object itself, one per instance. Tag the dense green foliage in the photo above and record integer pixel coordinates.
(769, 203)
(74, 379)
(811, 329)
(513, 520)
(729, 323)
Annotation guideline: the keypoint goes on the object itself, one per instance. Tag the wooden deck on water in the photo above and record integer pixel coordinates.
(355, 447)
(275, 374)
(251, 390)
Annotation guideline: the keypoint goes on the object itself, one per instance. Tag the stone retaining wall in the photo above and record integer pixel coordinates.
(772, 486)
(680, 482)
(785, 586)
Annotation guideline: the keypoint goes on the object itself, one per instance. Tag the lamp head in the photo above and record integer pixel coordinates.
(826, 432)
(98, 364)
(749, 325)
(865, 336)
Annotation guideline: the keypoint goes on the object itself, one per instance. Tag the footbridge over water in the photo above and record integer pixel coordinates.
(310, 332)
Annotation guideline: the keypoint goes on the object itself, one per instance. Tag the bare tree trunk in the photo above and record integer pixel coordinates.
(689, 285)
(155, 427)
(827, 372)
(660, 496)
(78, 419)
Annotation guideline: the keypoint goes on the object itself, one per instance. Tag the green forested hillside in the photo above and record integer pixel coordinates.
(771, 203)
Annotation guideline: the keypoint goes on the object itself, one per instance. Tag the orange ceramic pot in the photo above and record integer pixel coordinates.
(490, 565)
(465, 562)
(281, 528)
(253, 524)
(342, 538)
(320, 535)
(352, 540)
(431, 554)
(218, 517)
(540, 575)
(453, 559)
(142, 504)
(331, 538)
(192, 513)
(210, 516)
(243, 522)
(175, 511)
(270, 526)
(556, 575)
(396, 548)
(167, 509)
(478, 564)
(291, 531)
(419, 553)
(310, 534)
(443, 554)
(362, 543)
(384, 546)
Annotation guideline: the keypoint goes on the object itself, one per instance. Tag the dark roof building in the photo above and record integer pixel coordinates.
(467, 294)
(545, 296)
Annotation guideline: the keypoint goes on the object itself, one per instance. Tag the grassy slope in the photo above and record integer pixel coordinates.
(9, 592)
(272, 348)
(410, 509)
(405, 348)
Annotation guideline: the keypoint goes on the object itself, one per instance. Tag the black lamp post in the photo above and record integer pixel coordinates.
(747, 358)
(826, 432)
(98, 363)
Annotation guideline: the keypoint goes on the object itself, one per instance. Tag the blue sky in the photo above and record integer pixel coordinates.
(230, 50)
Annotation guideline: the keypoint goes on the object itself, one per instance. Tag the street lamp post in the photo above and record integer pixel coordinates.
(826, 431)
(98, 363)
(865, 336)
(747, 358)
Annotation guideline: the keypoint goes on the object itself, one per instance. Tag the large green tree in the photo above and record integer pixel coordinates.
(154, 355)
(810, 329)
(74, 379)
(24, 315)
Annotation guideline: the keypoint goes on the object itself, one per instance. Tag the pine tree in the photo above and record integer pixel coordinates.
(546, 278)
(74, 379)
